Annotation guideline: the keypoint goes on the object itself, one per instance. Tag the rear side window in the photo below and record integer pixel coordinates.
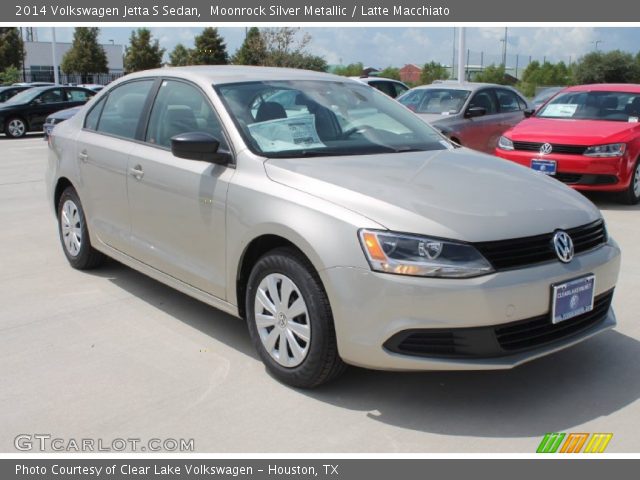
(51, 96)
(400, 89)
(384, 87)
(508, 101)
(181, 108)
(484, 99)
(77, 95)
(123, 109)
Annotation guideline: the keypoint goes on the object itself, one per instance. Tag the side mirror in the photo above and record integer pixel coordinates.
(528, 112)
(475, 112)
(199, 146)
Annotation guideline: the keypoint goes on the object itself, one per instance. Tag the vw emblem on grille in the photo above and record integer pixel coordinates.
(563, 246)
(546, 148)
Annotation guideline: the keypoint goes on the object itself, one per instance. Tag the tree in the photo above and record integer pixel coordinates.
(10, 75)
(492, 74)
(390, 72)
(86, 55)
(285, 48)
(180, 56)
(351, 70)
(142, 53)
(547, 74)
(210, 48)
(11, 48)
(611, 67)
(433, 71)
(252, 51)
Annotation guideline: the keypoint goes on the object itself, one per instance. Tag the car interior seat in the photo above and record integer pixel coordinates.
(270, 111)
(178, 119)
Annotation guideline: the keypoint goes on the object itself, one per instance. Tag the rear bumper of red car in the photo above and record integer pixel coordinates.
(578, 171)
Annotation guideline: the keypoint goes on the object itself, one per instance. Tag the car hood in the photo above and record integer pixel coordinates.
(458, 194)
(65, 114)
(571, 132)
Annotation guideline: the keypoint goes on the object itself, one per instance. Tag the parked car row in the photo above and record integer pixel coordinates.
(28, 110)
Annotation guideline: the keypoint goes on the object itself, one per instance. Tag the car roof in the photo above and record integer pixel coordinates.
(606, 87)
(364, 79)
(221, 74)
(460, 86)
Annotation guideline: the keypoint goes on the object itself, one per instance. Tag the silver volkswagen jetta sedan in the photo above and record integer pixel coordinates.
(343, 228)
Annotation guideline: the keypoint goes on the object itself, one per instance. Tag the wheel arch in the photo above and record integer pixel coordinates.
(259, 246)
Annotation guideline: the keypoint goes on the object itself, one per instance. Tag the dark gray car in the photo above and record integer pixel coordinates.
(471, 114)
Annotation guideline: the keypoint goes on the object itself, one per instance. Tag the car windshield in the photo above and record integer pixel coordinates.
(595, 105)
(322, 118)
(441, 101)
(25, 96)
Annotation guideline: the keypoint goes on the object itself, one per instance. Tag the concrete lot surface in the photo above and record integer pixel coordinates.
(113, 354)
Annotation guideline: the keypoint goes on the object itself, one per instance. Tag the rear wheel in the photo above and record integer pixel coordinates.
(74, 236)
(290, 320)
(631, 196)
(15, 127)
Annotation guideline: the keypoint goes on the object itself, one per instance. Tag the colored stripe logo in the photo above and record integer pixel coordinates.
(574, 443)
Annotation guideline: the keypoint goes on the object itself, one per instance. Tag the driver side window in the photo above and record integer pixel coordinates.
(181, 108)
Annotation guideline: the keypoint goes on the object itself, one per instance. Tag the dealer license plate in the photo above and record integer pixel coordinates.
(547, 167)
(572, 298)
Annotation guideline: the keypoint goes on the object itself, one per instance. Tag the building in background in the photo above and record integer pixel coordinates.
(410, 73)
(38, 63)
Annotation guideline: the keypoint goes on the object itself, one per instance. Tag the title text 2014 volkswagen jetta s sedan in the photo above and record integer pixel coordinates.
(341, 227)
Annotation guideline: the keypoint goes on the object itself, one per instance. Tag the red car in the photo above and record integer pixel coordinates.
(586, 136)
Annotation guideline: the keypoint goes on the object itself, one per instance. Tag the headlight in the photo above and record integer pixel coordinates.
(402, 254)
(505, 144)
(611, 150)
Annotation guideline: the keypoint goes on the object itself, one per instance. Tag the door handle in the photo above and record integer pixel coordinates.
(83, 156)
(137, 172)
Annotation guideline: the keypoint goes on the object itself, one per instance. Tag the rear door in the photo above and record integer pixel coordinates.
(110, 131)
(178, 206)
(481, 133)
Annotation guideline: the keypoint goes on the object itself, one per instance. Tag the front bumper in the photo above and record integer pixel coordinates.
(371, 308)
(578, 171)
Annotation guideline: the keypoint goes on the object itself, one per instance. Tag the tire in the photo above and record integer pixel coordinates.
(74, 236)
(631, 196)
(15, 127)
(310, 354)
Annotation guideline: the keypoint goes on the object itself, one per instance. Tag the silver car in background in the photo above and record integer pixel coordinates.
(471, 114)
(339, 225)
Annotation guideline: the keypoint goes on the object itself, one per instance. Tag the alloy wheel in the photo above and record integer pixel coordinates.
(16, 127)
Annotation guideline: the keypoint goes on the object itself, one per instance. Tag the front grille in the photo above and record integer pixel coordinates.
(539, 331)
(520, 252)
(492, 341)
(564, 149)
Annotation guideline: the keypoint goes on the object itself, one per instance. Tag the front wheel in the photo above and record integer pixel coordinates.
(290, 320)
(15, 127)
(631, 196)
(74, 236)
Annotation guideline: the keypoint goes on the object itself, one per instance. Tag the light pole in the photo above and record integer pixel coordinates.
(504, 48)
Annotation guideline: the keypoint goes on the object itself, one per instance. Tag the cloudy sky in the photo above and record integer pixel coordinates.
(381, 47)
